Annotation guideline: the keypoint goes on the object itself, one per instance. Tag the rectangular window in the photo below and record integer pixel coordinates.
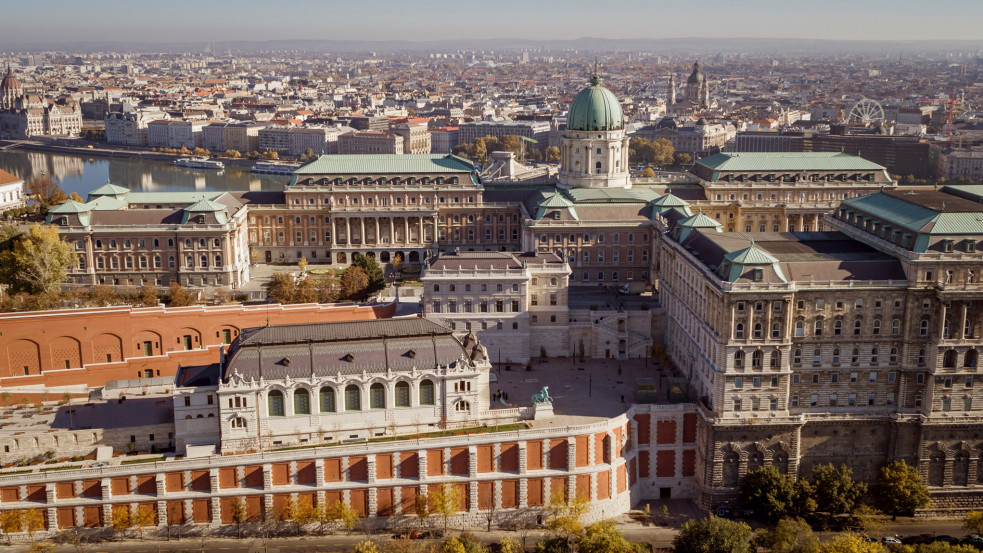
(815, 378)
(738, 382)
(872, 377)
(891, 377)
(890, 398)
(870, 400)
(833, 398)
(794, 401)
(853, 377)
(813, 400)
(796, 379)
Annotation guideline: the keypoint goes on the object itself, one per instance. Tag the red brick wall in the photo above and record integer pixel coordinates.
(666, 432)
(534, 492)
(689, 428)
(102, 339)
(643, 429)
(665, 464)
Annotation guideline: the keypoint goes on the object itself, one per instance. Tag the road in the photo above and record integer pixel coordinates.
(658, 536)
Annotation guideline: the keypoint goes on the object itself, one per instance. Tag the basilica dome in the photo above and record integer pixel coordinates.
(696, 77)
(9, 81)
(595, 108)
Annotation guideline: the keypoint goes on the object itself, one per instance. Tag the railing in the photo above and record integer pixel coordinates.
(317, 452)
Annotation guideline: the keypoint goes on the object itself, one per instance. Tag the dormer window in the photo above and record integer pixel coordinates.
(970, 245)
(64, 221)
(758, 274)
(201, 219)
(947, 245)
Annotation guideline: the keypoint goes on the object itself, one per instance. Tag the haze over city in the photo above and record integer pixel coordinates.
(54, 22)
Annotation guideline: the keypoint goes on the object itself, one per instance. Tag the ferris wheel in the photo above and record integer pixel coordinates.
(866, 111)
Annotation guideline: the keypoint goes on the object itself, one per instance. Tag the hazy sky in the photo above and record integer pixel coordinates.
(55, 21)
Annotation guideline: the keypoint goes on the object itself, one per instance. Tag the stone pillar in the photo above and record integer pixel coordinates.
(377, 240)
(421, 457)
(942, 321)
(348, 231)
(522, 457)
(373, 503)
(370, 464)
(161, 485)
(319, 479)
(571, 453)
(962, 322)
(215, 503)
(52, 513)
(392, 231)
(473, 496)
(161, 506)
(361, 237)
(420, 239)
(523, 493)
(406, 232)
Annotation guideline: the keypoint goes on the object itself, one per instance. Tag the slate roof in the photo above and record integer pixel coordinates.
(787, 161)
(321, 350)
(385, 164)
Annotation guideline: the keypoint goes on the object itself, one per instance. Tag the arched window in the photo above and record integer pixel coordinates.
(776, 330)
(895, 327)
(837, 328)
(757, 330)
(327, 400)
(873, 355)
(855, 355)
(452, 288)
(402, 394)
(923, 328)
(436, 288)
(776, 358)
(238, 422)
(949, 359)
(799, 328)
(377, 396)
(970, 359)
(275, 403)
(353, 400)
(755, 461)
(857, 325)
(731, 466)
(738, 359)
(819, 327)
(836, 356)
(462, 406)
(894, 355)
(797, 357)
(739, 330)
(302, 402)
(756, 359)
(817, 356)
(426, 393)
(877, 327)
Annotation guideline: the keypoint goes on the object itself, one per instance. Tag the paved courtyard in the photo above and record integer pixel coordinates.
(582, 392)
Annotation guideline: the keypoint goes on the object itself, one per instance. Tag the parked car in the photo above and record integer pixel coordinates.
(890, 540)
(947, 539)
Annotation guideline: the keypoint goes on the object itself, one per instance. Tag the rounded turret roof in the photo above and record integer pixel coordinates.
(696, 77)
(9, 82)
(595, 108)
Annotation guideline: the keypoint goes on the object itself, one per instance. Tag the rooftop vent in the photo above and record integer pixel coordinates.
(349, 357)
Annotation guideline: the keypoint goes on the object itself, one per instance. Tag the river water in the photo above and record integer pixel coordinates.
(81, 173)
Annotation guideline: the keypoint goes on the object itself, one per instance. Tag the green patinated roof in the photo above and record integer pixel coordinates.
(699, 221)
(188, 197)
(70, 206)
(555, 200)
(385, 164)
(106, 203)
(895, 210)
(751, 255)
(611, 195)
(205, 206)
(108, 189)
(595, 108)
(787, 161)
(669, 200)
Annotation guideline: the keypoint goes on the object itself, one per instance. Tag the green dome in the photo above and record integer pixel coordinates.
(595, 108)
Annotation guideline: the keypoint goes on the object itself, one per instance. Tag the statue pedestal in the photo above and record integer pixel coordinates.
(542, 411)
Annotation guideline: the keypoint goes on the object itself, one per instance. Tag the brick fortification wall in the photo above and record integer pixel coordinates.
(93, 346)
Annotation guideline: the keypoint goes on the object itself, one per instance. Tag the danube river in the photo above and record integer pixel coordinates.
(81, 173)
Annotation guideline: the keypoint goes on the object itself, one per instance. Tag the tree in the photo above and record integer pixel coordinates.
(835, 490)
(148, 295)
(640, 150)
(421, 508)
(510, 143)
(234, 154)
(38, 262)
(41, 547)
(180, 296)
(44, 191)
(973, 522)
(122, 519)
(851, 543)
(478, 150)
(553, 154)
(281, 288)
(901, 488)
(237, 510)
(683, 159)
(445, 500)
(146, 516)
(365, 547)
(713, 535)
(792, 535)
(868, 519)
(563, 518)
(302, 264)
(344, 515)
(510, 545)
(769, 493)
(354, 283)
(377, 279)
(306, 292)
(648, 173)
(11, 522)
(604, 537)
(662, 152)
